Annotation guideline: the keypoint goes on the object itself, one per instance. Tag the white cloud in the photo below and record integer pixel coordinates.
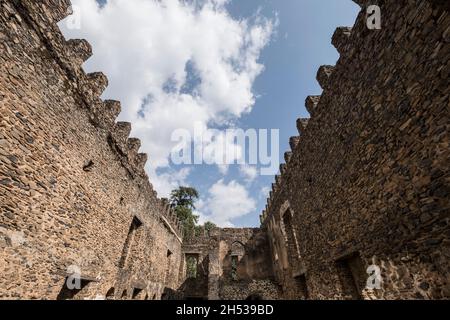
(165, 182)
(265, 192)
(173, 63)
(249, 172)
(223, 168)
(220, 149)
(225, 202)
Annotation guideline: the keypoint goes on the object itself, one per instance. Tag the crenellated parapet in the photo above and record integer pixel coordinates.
(169, 216)
(80, 49)
(341, 38)
(70, 56)
(344, 43)
(301, 125)
(107, 113)
(311, 103)
(324, 76)
(43, 16)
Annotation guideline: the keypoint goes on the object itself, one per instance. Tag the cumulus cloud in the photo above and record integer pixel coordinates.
(265, 192)
(172, 63)
(249, 172)
(224, 203)
(169, 180)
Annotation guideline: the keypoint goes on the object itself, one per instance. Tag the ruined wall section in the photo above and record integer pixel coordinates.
(71, 181)
(250, 271)
(253, 274)
(367, 181)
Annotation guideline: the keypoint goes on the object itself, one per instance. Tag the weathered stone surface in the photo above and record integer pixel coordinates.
(341, 38)
(68, 195)
(80, 48)
(368, 182)
(311, 103)
(218, 278)
(323, 76)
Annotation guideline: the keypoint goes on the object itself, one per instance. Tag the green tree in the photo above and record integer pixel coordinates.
(184, 197)
(182, 200)
(204, 229)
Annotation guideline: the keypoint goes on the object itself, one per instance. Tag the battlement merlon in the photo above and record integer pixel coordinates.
(171, 217)
(70, 55)
(341, 40)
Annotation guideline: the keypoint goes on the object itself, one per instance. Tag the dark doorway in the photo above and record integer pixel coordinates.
(191, 266)
(302, 287)
(136, 292)
(351, 275)
(110, 294)
(290, 238)
(254, 297)
(168, 267)
(68, 294)
(134, 227)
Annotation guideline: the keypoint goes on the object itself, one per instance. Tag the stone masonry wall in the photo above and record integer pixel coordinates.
(367, 181)
(252, 268)
(71, 181)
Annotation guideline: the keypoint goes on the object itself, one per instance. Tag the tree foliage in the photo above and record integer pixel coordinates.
(182, 200)
(209, 226)
(184, 197)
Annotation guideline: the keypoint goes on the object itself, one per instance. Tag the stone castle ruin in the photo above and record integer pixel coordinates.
(360, 209)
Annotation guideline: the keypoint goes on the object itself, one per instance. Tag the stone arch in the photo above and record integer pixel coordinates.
(237, 251)
(237, 248)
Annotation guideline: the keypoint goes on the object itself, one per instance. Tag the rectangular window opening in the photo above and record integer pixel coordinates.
(302, 286)
(291, 237)
(136, 224)
(191, 266)
(234, 265)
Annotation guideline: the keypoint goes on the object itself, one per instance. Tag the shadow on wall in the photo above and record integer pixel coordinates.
(195, 286)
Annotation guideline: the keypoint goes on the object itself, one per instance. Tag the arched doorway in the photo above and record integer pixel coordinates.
(237, 251)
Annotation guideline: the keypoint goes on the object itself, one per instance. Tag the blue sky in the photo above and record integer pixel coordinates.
(169, 65)
(291, 61)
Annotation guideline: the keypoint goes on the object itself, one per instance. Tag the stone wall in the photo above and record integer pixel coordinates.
(238, 260)
(367, 181)
(73, 192)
